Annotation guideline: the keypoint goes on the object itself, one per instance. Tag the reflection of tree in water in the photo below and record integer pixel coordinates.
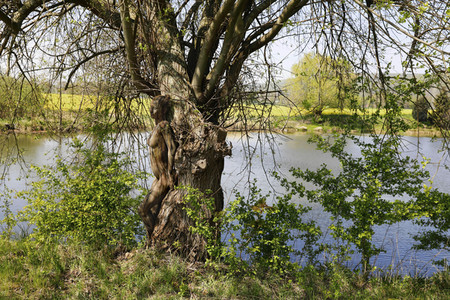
(18, 151)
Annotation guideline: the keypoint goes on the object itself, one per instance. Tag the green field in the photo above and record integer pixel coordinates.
(286, 111)
(69, 102)
(72, 102)
(78, 111)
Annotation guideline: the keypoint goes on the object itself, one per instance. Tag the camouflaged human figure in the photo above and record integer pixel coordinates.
(162, 149)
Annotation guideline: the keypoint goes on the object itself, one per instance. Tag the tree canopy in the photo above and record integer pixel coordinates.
(319, 82)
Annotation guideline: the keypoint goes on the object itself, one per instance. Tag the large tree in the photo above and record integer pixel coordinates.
(189, 55)
(318, 81)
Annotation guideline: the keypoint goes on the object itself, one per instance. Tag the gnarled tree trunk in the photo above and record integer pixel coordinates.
(198, 163)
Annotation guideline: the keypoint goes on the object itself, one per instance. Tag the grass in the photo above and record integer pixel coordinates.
(287, 111)
(54, 271)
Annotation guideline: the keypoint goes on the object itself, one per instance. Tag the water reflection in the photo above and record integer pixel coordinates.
(267, 153)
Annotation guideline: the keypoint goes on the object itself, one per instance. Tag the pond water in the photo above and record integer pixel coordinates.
(295, 151)
(267, 153)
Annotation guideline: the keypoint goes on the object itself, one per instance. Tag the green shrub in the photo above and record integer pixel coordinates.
(367, 190)
(200, 208)
(257, 236)
(434, 207)
(93, 199)
(267, 232)
(9, 221)
(19, 98)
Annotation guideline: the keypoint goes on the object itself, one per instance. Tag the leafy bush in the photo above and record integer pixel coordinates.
(200, 208)
(92, 200)
(434, 207)
(266, 232)
(9, 220)
(19, 98)
(361, 195)
(257, 236)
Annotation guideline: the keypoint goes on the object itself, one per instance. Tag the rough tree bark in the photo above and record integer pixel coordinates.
(201, 146)
(184, 151)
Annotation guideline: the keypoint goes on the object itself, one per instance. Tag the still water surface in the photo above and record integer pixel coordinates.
(295, 151)
(267, 154)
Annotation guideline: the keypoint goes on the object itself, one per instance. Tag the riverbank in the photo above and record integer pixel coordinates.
(29, 270)
(280, 125)
(290, 127)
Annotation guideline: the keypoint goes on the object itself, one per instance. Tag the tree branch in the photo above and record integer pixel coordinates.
(248, 47)
(289, 10)
(205, 52)
(82, 62)
(191, 11)
(130, 47)
(15, 28)
(257, 11)
(400, 29)
(104, 11)
(233, 37)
